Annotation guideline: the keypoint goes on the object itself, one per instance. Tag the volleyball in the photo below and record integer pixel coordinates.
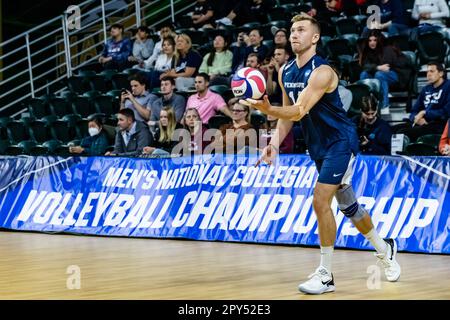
(248, 83)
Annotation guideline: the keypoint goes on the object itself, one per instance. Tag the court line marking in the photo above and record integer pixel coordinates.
(427, 167)
(35, 171)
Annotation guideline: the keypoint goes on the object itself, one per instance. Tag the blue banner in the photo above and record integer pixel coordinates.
(223, 198)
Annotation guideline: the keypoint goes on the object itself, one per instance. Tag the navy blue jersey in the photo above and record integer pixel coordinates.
(327, 122)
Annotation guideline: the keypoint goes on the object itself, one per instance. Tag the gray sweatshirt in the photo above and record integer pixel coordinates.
(437, 8)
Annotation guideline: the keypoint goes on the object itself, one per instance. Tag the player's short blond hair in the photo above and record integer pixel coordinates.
(302, 16)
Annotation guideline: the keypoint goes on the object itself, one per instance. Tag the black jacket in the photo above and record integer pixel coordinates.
(140, 139)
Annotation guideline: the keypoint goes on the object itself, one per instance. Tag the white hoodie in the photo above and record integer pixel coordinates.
(437, 8)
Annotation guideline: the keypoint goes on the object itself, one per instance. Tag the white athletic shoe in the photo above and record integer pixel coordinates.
(392, 269)
(319, 282)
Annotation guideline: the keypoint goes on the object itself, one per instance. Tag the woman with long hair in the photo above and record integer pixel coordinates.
(164, 62)
(218, 62)
(187, 64)
(383, 62)
(164, 134)
(374, 133)
(193, 123)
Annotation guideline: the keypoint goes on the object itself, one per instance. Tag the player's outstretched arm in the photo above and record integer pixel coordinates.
(322, 80)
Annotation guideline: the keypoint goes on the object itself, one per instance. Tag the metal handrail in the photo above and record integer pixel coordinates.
(12, 52)
(48, 59)
(85, 50)
(15, 88)
(15, 102)
(45, 36)
(46, 48)
(87, 37)
(29, 31)
(12, 65)
(96, 21)
(15, 76)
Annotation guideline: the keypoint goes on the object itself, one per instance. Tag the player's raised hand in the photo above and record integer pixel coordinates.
(262, 105)
(268, 155)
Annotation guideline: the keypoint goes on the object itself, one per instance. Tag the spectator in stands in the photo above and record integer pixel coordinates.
(432, 108)
(163, 137)
(239, 51)
(247, 11)
(97, 141)
(165, 32)
(222, 8)
(142, 46)
(218, 62)
(253, 61)
(325, 10)
(238, 136)
(205, 101)
(383, 62)
(280, 57)
(287, 146)
(281, 38)
(430, 14)
(392, 18)
(164, 63)
(131, 137)
(187, 66)
(138, 99)
(444, 144)
(193, 122)
(168, 98)
(117, 50)
(202, 16)
(374, 133)
(256, 45)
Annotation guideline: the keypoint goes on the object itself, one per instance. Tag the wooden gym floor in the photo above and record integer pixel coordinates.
(34, 266)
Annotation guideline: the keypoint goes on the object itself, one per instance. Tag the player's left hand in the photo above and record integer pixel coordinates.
(262, 105)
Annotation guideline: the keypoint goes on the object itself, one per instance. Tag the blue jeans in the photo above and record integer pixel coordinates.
(386, 79)
(394, 29)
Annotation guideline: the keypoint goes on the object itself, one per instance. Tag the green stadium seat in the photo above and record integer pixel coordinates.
(430, 139)
(120, 81)
(358, 91)
(61, 131)
(17, 131)
(38, 108)
(104, 104)
(215, 122)
(257, 119)
(98, 83)
(108, 74)
(76, 84)
(39, 131)
(374, 85)
(219, 89)
(347, 26)
(420, 149)
(82, 106)
(4, 144)
(60, 107)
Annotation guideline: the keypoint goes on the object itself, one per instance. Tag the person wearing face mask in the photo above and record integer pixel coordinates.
(97, 141)
(374, 133)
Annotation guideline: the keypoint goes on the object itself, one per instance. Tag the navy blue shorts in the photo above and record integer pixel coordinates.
(337, 166)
